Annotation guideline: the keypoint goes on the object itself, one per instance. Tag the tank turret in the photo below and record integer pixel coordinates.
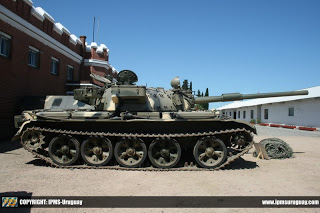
(123, 95)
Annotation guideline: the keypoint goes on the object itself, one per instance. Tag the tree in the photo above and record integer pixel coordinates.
(207, 92)
(198, 93)
(206, 105)
(185, 85)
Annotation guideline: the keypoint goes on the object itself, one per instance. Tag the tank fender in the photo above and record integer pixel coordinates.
(18, 134)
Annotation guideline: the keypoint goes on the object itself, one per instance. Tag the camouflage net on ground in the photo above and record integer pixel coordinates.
(276, 148)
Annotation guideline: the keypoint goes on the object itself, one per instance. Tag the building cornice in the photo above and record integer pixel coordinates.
(27, 28)
(99, 63)
(36, 14)
(57, 29)
(43, 13)
(29, 2)
(97, 48)
(62, 28)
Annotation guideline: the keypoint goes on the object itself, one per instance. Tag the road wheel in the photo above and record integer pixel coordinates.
(164, 152)
(210, 152)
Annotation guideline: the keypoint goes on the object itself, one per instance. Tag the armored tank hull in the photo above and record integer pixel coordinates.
(175, 143)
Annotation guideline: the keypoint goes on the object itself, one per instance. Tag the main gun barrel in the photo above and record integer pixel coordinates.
(238, 96)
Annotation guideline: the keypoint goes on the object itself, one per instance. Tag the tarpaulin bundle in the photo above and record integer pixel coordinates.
(276, 148)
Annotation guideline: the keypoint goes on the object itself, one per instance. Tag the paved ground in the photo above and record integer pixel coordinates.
(21, 172)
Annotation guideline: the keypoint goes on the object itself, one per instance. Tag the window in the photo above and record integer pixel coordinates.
(54, 66)
(70, 73)
(5, 44)
(238, 114)
(57, 102)
(266, 114)
(230, 113)
(291, 111)
(251, 114)
(33, 58)
(244, 114)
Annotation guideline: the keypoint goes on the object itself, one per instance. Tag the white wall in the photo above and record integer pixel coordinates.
(306, 112)
(248, 113)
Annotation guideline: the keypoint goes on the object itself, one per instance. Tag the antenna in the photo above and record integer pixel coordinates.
(98, 31)
(94, 24)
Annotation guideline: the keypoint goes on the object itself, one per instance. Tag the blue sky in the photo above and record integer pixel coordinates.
(245, 46)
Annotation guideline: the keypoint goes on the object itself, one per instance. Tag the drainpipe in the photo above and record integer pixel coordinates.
(83, 40)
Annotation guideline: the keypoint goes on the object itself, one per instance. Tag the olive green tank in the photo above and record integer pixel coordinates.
(137, 127)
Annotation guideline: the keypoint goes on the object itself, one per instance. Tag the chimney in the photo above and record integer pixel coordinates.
(83, 39)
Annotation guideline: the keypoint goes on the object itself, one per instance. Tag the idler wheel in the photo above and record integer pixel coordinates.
(210, 152)
(33, 139)
(96, 151)
(64, 150)
(130, 152)
(164, 152)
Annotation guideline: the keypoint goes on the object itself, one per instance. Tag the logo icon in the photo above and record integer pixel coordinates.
(9, 202)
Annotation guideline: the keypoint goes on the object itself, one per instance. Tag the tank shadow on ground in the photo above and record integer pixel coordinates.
(39, 162)
(240, 163)
(6, 146)
(18, 194)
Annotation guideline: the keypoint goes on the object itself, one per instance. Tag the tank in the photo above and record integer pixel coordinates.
(133, 127)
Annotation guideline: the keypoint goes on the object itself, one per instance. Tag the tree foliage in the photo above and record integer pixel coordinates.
(188, 86)
(199, 93)
(204, 106)
(185, 84)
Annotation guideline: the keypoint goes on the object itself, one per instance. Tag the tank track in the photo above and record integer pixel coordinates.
(186, 167)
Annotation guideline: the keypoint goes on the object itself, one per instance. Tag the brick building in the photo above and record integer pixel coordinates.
(40, 57)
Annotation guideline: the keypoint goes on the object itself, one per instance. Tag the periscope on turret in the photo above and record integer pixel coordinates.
(138, 126)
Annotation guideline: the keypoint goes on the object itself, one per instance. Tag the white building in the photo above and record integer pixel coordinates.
(301, 110)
